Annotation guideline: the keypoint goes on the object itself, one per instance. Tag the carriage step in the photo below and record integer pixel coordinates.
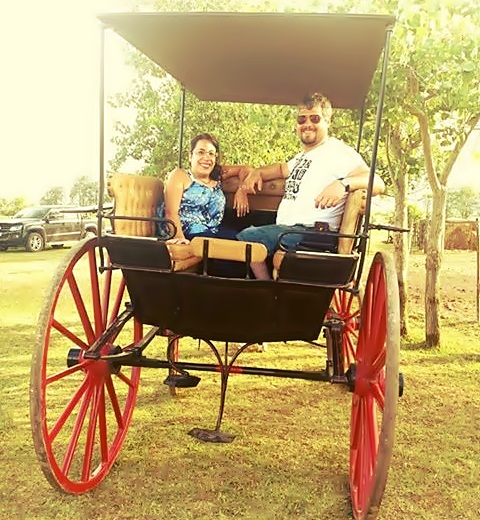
(211, 435)
(181, 381)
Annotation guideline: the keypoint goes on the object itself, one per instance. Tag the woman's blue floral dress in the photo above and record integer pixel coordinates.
(201, 209)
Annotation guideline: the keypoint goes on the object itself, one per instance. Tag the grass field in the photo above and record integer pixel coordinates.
(290, 457)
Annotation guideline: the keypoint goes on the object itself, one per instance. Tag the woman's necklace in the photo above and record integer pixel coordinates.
(208, 182)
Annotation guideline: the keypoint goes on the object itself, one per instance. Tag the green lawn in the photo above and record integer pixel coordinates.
(290, 457)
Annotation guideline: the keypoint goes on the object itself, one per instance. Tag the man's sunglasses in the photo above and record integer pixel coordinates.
(314, 118)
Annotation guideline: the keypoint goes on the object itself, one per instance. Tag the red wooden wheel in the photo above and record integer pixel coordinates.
(81, 409)
(375, 396)
(345, 306)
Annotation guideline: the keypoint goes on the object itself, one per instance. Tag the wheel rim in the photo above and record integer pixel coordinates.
(345, 306)
(36, 242)
(80, 413)
(375, 397)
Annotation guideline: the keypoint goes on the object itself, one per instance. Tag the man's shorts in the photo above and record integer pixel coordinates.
(269, 235)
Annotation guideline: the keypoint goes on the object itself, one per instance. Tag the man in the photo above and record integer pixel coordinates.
(318, 180)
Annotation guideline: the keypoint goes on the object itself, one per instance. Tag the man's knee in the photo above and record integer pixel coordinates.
(266, 235)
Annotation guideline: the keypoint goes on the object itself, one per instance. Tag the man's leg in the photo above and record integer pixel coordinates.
(266, 235)
(260, 270)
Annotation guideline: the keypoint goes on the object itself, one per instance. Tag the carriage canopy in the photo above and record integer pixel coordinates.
(271, 58)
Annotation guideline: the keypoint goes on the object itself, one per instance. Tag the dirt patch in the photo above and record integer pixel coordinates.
(458, 281)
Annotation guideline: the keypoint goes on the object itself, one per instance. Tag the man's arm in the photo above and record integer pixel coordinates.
(356, 180)
(236, 170)
(256, 177)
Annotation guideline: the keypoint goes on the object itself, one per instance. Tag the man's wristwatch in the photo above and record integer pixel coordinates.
(345, 184)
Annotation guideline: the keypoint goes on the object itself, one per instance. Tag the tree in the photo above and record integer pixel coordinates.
(463, 202)
(9, 207)
(53, 196)
(443, 94)
(84, 192)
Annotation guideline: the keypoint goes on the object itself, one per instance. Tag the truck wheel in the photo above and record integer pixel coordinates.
(35, 242)
(3, 248)
(90, 233)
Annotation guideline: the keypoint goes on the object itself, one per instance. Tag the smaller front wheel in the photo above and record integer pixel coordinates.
(35, 242)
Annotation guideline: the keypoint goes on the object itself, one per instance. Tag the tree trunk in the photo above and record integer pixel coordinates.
(433, 264)
(401, 245)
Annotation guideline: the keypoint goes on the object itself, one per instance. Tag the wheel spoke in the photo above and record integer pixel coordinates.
(69, 335)
(114, 402)
(65, 373)
(378, 394)
(107, 289)
(349, 350)
(102, 423)
(118, 300)
(91, 429)
(95, 291)
(82, 311)
(77, 429)
(68, 411)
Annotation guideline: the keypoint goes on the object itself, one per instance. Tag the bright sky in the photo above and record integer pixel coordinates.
(49, 93)
(49, 53)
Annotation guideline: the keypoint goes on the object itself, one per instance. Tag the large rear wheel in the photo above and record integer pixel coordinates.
(376, 389)
(81, 408)
(345, 306)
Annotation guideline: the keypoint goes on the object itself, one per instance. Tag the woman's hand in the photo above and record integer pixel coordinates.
(240, 202)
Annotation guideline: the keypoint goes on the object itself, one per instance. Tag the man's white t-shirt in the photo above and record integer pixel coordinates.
(310, 173)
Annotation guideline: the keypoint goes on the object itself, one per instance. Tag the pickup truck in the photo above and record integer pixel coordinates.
(35, 227)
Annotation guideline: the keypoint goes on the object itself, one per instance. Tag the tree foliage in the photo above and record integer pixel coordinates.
(8, 207)
(84, 192)
(463, 203)
(54, 195)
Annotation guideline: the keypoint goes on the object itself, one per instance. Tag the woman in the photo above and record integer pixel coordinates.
(194, 200)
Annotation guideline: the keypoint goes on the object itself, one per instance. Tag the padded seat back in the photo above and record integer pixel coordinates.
(136, 196)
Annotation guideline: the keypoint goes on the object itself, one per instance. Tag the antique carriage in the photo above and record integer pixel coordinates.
(115, 294)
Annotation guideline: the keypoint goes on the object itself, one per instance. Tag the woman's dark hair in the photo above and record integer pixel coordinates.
(217, 169)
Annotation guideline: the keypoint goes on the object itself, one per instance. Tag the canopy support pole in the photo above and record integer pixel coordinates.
(101, 188)
(360, 128)
(378, 123)
(182, 124)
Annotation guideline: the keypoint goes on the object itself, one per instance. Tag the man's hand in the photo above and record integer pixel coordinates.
(240, 202)
(253, 182)
(330, 196)
(178, 241)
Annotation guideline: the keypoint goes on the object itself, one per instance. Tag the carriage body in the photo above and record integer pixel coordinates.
(130, 287)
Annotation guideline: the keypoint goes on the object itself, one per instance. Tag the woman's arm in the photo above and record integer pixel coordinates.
(240, 201)
(174, 187)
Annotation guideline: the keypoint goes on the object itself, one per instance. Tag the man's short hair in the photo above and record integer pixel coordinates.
(317, 99)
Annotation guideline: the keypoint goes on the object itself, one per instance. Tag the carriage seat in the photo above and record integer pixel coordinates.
(139, 196)
(271, 195)
(232, 250)
(354, 209)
